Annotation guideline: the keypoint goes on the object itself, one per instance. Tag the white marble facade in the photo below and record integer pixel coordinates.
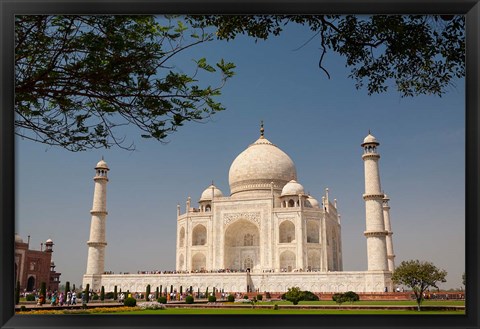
(268, 234)
(267, 224)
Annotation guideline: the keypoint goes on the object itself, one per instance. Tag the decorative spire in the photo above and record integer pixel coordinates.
(369, 131)
(261, 129)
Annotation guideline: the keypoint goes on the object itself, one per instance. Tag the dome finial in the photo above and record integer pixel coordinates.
(369, 132)
(261, 129)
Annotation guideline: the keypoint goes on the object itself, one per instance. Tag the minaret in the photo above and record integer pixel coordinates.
(375, 226)
(96, 243)
(388, 228)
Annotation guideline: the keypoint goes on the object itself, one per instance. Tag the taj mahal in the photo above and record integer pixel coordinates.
(266, 235)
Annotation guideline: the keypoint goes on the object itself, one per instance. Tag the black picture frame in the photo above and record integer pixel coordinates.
(9, 8)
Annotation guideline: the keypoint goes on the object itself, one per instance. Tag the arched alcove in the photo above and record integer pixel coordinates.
(286, 232)
(199, 235)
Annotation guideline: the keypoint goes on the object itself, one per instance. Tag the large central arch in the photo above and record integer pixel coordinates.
(242, 246)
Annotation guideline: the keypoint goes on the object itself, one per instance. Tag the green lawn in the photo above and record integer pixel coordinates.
(282, 311)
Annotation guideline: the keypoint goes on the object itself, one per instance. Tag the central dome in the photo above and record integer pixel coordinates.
(262, 163)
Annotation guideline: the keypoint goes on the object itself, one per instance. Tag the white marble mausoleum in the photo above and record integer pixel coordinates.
(268, 234)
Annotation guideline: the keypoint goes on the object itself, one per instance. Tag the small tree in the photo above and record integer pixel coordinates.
(67, 287)
(294, 295)
(73, 289)
(87, 294)
(17, 293)
(206, 292)
(161, 291)
(171, 288)
(43, 291)
(157, 293)
(419, 276)
(115, 294)
(102, 294)
(181, 290)
(147, 292)
(191, 290)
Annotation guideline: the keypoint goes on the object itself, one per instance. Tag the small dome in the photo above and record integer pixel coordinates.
(18, 238)
(101, 164)
(49, 241)
(313, 202)
(292, 188)
(370, 139)
(207, 194)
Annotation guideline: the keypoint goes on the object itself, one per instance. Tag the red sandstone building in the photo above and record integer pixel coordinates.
(32, 267)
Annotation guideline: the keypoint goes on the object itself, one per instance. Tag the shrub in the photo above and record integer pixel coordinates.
(189, 299)
(109, 295)
(245, 296)
(275, 306)
(43, 291)
(212, 299)
(162, 300)
(130, 302)
(17, 293)
(95, 297)
(147, 293)
(351, 296)
(67, 287)
(294, 295)
(338, 298)
(87, 290)
(23, 308)
(259, 297)
(30, 298)
(309, 296)
(231, 298)
(267, 295)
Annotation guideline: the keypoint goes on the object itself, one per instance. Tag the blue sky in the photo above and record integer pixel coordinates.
(319, 123)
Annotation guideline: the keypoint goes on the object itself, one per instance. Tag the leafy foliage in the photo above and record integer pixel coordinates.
(78, 79)
(130, 302)
(418, 275)
(212, 299)
(348, 296)
(338, 298)
(230, 298)
(189, 299)
(294, 295)
(30, 298)
(162, 300)
(17, 293)
(419, 54)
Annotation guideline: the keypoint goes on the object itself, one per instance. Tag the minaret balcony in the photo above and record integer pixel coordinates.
(367, 197)
(375, 233)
